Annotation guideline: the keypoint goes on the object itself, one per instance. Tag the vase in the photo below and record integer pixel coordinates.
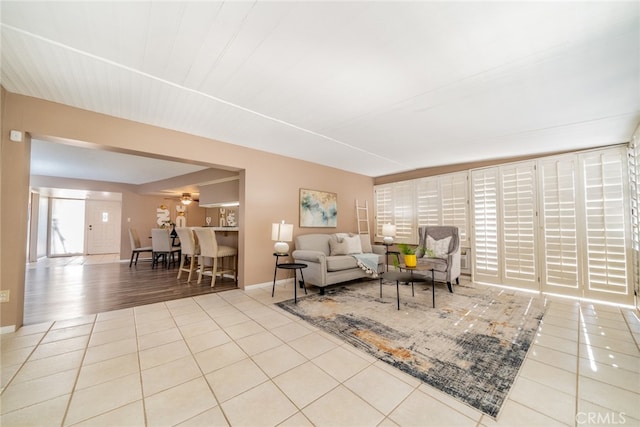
(410, 260)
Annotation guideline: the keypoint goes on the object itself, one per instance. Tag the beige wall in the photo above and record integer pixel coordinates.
(269, 184)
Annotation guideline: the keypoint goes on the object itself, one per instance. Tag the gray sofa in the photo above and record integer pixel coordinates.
(324, 269)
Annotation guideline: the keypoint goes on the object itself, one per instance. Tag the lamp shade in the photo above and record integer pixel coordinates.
(281, 233)
(389, 232)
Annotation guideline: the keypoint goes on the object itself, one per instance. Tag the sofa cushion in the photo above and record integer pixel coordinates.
(345, 244)
(313, 242)
(338, 246)
(354, 246)
(341, 262)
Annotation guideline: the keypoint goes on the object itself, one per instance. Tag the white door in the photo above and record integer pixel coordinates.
(103, 227)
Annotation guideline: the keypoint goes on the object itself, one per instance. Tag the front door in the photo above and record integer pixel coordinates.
(103, 227)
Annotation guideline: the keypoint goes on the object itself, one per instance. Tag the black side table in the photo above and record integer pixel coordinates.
(388, 252)
(295, 266)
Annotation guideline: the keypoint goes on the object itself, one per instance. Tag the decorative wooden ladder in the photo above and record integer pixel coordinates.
(362, 217)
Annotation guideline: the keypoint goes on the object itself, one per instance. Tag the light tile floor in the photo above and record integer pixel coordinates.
(234, 358)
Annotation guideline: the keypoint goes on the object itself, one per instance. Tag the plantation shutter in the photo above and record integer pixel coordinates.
(395, 205)
(604, 188)
(384, 207)
(428, 202)
(403, 211)
(519, 225)
(453, 189)
(634, 183)
(559, 225)
(484, 192)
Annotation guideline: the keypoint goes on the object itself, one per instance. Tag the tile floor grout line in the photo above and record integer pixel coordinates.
(144, 403)
(24, 362)
(626, 321)
(75, 382)
(203, 375)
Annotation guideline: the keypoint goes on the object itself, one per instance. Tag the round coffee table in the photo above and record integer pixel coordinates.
(405, 277)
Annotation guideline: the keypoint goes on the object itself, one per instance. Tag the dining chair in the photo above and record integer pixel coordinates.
(136, 247)
(225, 258)
(162, 248)
(190, 250)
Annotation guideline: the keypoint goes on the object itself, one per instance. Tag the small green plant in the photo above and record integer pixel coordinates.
(405, 249)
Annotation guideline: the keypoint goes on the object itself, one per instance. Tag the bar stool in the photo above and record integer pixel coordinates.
(209, 248)
(190, 251)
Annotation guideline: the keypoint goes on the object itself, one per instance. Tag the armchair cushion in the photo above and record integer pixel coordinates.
(438, 248)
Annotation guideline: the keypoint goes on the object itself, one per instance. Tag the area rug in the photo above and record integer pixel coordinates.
(471, 346)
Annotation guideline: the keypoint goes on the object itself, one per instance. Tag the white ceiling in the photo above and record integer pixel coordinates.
(371, 87)
(70, 161)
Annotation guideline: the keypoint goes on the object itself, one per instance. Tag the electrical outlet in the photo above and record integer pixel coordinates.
(4, 296)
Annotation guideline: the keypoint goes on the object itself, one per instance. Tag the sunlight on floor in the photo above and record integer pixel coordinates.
(75, 260)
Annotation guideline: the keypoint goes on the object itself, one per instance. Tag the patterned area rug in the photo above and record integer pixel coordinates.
(470, 346)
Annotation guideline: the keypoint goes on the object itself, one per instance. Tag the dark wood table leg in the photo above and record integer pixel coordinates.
(275, 273)
(302, 282)
(433, 287)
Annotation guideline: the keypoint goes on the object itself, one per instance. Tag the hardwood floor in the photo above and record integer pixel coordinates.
(64, 288)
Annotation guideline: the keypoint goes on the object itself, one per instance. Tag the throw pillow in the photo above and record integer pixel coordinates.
(440, 247)
(354, 244)
(338, 246)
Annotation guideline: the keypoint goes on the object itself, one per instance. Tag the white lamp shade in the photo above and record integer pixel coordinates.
(281, 233)
(389, 230)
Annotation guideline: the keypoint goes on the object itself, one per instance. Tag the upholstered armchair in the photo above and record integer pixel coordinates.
(441, 246)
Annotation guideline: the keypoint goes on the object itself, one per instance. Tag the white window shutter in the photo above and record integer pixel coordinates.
(484, 193)
(383, 195)
(395, 204)
(428, 202)
(453, 190)
(559, 220)
(604, 206)
(519, 225)
(403, 212)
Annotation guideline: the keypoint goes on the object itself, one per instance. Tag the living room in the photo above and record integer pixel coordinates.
(459, 128)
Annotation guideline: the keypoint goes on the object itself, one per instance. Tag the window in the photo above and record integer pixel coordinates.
(560, 224)
(440, 200)
(394, 204)
(634, 184)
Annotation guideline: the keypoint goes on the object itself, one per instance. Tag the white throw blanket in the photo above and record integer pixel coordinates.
(367, 262)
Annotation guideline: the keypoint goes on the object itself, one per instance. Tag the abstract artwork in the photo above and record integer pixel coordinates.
(318, 208)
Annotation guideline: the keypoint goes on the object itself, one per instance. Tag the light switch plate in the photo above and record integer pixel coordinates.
(4, 296)
(15, 136)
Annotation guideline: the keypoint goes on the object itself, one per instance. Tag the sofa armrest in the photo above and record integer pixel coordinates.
(307, 255)
(316, 271)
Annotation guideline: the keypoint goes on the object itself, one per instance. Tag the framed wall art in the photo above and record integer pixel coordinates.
(318, 208)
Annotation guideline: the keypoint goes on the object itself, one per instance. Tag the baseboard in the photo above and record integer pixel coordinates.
(269, 284)
(7, 329)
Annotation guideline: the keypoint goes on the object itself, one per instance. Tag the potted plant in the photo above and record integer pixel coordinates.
(409, 253)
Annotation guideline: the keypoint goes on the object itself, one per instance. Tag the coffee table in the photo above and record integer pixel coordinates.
(426, 265)
(406, 277)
